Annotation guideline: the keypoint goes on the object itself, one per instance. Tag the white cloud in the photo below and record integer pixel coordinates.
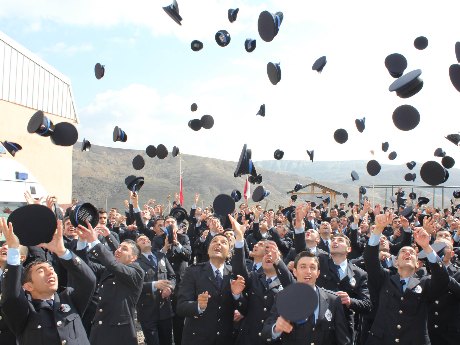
(63, 48)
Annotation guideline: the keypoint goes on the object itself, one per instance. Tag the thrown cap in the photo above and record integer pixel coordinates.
(173, 11)
(341, 136)
(151, 151)
(410, 165)
(222, 38)
(360, 124)
(99, 71)
(138, 162)
(268, 25)
(421, 42)
(373, 167)
(296, 302)
(259, 194)
(207, 121)
(261, 111)
(385, 146)
(396, 64)
(274, 72)
(278, 154)
(85, 145)
(311, 154)
(196, 45)
(319, 64)
(11, 147)
(232, 14)
(250, 44)
(354, 176)
(406, 117)
(407, 85)
(392, 155)
(433, 173)
(162, 151)
(448, 162)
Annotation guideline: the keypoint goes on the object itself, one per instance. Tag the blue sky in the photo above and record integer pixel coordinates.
(152, 75)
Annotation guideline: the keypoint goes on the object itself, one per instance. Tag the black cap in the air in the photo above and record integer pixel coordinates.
(354, 176)
(319, 64)
(162, 151)
(65, 134)
(360, 124)
(341, 136)
(207, 121)
(151, 151)
(407, 85)
(175, 151)
(421, 42)
(454, 74)
(278, 154)
(11, 147)
(448, 162)
(193, 107)
(433, 173)
(410, 177)
(85, 145)
(222, 38)
(311, 154)
(173, 11)
(259, 194)
(274, 72)
(439, 152)
(196, 45)
(250, 44)
(99, 71)
(373, 167)
(396, 64)
(236, 195)
(410, 165)
(453, 138)
(268, 25)
(406, 117)
(195, 124)
(392, 155)
(138, 162)
(385, 146)
(119, 135)
(232, 14)
(261, 111)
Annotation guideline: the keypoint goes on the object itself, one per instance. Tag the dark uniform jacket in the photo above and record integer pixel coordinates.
(151, 305)
(215, 325)
(330, 328)
(257, 300)
(35, 321)
(6, 336)
(119, 289)
(444, 315)
(402, 317)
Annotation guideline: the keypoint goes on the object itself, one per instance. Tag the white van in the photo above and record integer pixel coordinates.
(15, 180)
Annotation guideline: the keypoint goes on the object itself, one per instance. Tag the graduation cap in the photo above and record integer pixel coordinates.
(385, 146)
(175, 151)
(173, 11)
(195, 124)
(99, 71)
(298, 187)
(119, 135)
(433, 173)
(33, 224)
(169, 232)
(422, 201)
(223, 205)
(319, 64)
(373, 167)
(133, 183)
(268, 25)
(11, 147)
(261, 111)
(410, 165)
(351, 204)
(40, 124)
(360, 124)
(82, 213)
(392, 156)
(454, 74)
(453, 138)
(439, 152)
(396, 64)
(406, 117)
(456, 194)
(407, 212)
(179, 213)
(65, 134)
(327, 200)
(345, 195)
(196, 46)
(288, 212)
(436, 246)
(222, 38)
(274, 72)
(278, 154)
(294, 197)
(138, 162)
(297, 302)
(410, 177)
(421, 42)
(194, 107)
(259, 194)
(448, 162)
(250, 44)
(407, 85)
(457, 51)
(341, 136)
(151, 151)
(354, 176)
(207, 121)
(311, 154)
(86, 145)
(362, 190)
(162, 151)
(255, 179)
(412, 196)
(232, 14)
(236, 195)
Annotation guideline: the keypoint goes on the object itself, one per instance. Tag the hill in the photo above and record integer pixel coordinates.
(98, 177)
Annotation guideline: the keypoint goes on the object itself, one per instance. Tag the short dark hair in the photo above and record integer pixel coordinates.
(157, 220)
(27, 276)
(342, 236)
(101, 211)
(305, 254)
(135, 248)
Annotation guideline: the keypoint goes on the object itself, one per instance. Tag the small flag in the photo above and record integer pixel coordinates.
(247, 191)
(181, 194)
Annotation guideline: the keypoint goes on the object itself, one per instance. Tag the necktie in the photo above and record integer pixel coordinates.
(337, 270)
(152, 261)
(254, 268)
(403, 282)
(327, 245)
(219, 279)
(50, 302)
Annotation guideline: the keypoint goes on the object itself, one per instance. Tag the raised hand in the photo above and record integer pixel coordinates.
(282, 325)
(56, 245)
(87, 233)
(237, 286)
(422, 238)
(238, 228)
(381, 221)
(344, 298)
(197, 197)
(429, 224)
(7, 230)
(134, 199)
(404, 222)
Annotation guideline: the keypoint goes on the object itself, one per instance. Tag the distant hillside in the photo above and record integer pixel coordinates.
(98, 177)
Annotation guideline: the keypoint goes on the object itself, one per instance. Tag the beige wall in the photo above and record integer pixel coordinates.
(49, 163)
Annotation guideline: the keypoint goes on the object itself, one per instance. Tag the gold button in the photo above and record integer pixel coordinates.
(100, 310)
(398, 326)
(400, 311)
(397, 340)
(39, 326)
(436, 313)
(218, 333)
(435, 326)
(113, 283)
(402, 298)
(59, 323)
(100, 322)
(100, 297)
(265, 309)
(260, 334)
(437, 302)
(64, 342)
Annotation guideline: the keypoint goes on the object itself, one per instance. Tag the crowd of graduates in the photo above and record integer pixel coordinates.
(379, 275)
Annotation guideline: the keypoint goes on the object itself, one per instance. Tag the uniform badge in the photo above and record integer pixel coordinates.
(65, 308)
(328, 315)
(353, 281)
(162, 262)
(418, 289)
